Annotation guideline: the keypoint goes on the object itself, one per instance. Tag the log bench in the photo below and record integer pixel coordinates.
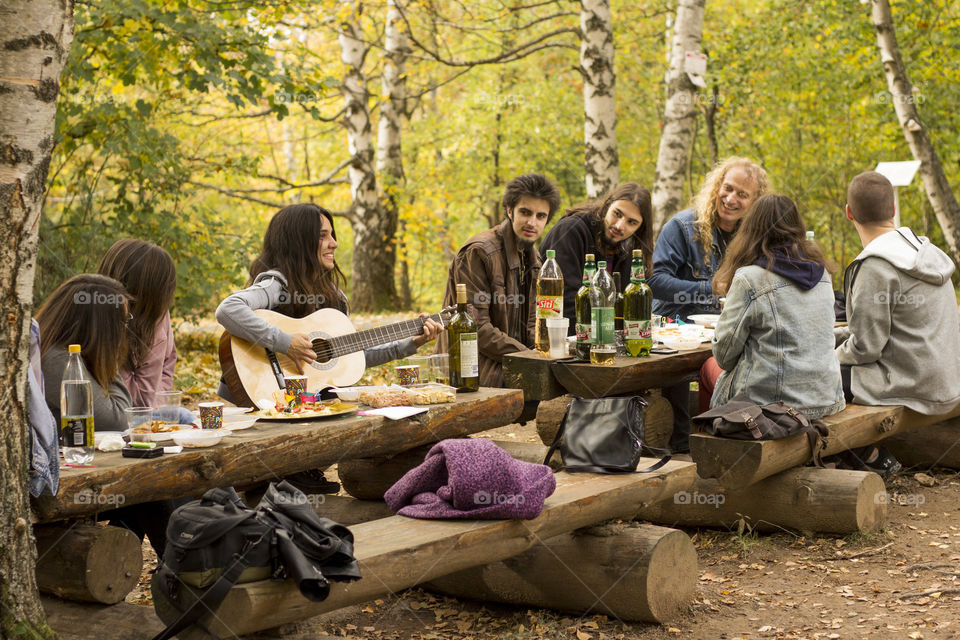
(741, 463)
(396, 553)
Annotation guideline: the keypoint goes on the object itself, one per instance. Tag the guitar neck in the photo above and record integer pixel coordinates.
(349, 343)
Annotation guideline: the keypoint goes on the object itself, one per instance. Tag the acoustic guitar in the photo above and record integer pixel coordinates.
(253, 372)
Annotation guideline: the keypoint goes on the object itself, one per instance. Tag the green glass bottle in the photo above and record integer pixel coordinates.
(584, 333)
(464, 358)
(637, 309)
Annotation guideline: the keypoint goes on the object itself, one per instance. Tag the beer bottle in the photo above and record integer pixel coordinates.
(76, 410)
(638, 303)
(464, 359)
(549, 299)
(603, 299)
(584, 325)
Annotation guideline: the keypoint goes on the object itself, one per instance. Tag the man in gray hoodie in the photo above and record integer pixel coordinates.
(902, 345)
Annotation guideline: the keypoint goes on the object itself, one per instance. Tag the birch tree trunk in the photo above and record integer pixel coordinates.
(931, 171)
(679, 115)
(374, 227)
(393, 108)
(601, 161)
(35, 36)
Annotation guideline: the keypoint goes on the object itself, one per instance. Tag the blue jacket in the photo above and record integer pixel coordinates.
(682, 281)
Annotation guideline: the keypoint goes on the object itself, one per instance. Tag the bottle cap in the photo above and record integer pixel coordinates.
(551, 254)
(461, 294)
(461, 287)
(589, 257)
(602, 264)
(73, 348)
(638, 253)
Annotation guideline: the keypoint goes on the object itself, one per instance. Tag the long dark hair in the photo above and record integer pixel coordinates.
(773, 222)
(147, 272)
(597, 209)
(90, 310)
(290, 247)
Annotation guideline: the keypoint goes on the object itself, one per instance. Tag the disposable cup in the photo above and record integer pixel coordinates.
(168, 406)
(557, 334)
(211, 415)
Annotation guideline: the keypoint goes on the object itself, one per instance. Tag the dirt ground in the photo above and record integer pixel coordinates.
(903, 582)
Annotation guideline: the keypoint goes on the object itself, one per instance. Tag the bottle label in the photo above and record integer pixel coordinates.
(603, 325)
(585, 333)
(549, 306)
(638, 329)
(469, 361)
(76, 431)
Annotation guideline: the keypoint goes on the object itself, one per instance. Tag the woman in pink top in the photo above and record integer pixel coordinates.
(149, 275)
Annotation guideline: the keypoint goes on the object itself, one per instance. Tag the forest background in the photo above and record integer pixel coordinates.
(190, 123)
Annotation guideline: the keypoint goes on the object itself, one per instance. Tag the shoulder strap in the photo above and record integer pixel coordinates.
(557, 438)
(213, 596)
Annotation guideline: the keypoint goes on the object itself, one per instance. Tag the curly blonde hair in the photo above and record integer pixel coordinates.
(705, 202)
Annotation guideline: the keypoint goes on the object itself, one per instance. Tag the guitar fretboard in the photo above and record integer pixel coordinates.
(351, 342)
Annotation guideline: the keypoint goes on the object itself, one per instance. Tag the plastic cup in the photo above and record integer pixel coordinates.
(137, 416)
(408, 374)
(168, 406)
(426, 368)
(557, 334)
(440, 363)
(211, 415)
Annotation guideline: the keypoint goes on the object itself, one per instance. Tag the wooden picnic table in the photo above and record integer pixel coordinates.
(543, 378)
(268, 451)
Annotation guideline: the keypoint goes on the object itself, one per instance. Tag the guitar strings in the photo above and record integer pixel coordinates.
(349, 343)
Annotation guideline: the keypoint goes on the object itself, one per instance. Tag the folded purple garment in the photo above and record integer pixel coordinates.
(471, 479)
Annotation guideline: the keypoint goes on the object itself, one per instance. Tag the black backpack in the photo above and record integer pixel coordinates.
(213, 544)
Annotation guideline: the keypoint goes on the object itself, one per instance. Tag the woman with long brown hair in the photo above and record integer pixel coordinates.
(774, 340)
(92, 311)
(148, 273)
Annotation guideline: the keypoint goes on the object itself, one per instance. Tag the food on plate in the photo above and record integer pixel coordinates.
(386, 398)
(309, 410)
(156, 426)
(432, 394)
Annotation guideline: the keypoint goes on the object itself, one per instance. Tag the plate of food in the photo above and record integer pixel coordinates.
(196, 438)
(705, 319)
(308, 411)
(674, 333)
(157, 431)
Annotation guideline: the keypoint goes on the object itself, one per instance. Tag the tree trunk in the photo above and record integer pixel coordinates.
(374, 227)
(679, 115)
(601, 161)
(931, 171)
(35, 38)
(393, 107)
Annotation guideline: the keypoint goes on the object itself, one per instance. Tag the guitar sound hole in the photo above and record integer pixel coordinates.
(323, 350)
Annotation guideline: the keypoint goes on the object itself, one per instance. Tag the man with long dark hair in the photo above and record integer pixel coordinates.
(500, 267)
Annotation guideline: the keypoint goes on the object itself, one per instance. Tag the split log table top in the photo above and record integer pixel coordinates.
(542, 378)
(268, 451)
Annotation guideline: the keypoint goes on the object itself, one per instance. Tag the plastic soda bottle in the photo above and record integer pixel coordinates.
(549, 299)
(603, 300)
(76, 410)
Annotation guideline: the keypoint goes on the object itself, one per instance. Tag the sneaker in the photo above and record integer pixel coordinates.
(313, 482)
(885, 464)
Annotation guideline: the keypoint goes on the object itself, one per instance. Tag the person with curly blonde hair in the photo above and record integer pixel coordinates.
(692, 244)
(688, 254)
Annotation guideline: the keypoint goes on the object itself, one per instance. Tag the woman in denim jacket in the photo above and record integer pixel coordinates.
(692, 244)
(774, 340)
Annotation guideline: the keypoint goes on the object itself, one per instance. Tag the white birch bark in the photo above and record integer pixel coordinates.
(901, 90)
(679, 115)
(601, 162)
(373, 284)
(35, 36)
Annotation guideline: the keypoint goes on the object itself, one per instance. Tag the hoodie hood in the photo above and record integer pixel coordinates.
(804, 274)
(912, 254)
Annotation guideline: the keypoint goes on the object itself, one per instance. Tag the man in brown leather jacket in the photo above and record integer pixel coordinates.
(500, 267)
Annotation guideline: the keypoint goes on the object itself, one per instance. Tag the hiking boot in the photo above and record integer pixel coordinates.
(313, 482)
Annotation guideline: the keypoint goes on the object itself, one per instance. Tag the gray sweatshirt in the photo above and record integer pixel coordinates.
(108, 404)
(903, 338)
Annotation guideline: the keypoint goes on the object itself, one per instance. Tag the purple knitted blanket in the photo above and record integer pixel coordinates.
(471, 479)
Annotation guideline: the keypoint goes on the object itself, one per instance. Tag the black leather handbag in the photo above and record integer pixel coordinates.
(604, 435)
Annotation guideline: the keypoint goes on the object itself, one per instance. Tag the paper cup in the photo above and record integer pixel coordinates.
(295, 385)
(211, 415)
(408, 374)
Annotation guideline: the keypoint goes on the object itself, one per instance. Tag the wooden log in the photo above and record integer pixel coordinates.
(350, 511)
(369, 478)
(804, 499)
(628, 375)
(741, 463)
(396, 553)
(631, 572)
(82, 621)
(935, 446)
(87, 562)
(530, 372)
(658, 419)
(267, 451)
